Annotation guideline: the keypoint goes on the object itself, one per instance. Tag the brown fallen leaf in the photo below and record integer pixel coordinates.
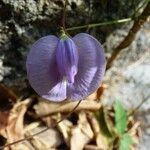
(65, 128)
(92, 147)
(45, 108)
(13, 127)
(4, 117)
(6, 93)
(101, 90)
(7, 97)
(46, 140)
(26, 145)
(135, 133)
(100, 139)
(81, 134)
(98, 94)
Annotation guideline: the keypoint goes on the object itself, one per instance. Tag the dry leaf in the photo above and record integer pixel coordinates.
(100, 91)
(4, 117)
(7, 98)
(97, 95)
(65, 128)
(101, 141)
(6, 93)
(135, 133)
(26, 145)
(13, 128)
(92, 147)
(46, 140)
(81, 134)
(45, 108)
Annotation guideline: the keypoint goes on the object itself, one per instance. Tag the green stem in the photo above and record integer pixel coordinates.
(64, 15)
(100, 24)
(144, 3)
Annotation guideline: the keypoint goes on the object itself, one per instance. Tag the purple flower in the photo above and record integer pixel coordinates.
(66, 68)
(67, 59)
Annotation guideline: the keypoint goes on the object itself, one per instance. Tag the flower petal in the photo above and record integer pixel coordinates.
(67, 59)
(91, 67)
(42, 70)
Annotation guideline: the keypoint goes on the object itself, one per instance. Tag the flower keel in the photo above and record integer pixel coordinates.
(67, 59)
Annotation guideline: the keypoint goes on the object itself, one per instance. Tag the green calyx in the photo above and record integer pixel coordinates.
(63, 35)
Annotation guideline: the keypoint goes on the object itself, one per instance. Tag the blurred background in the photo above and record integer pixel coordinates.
(127, 80)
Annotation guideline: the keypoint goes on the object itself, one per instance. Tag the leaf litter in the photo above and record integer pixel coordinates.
(83, 130)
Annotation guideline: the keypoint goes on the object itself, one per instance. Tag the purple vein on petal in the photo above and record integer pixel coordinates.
(91, 67)
(42, 69)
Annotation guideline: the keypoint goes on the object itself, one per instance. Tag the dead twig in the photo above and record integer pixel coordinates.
(139, 106)
(138, 24)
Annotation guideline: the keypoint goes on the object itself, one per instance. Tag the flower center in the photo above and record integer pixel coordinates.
(67, 59)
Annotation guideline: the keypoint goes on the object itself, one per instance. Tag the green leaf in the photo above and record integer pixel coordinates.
(120, 118)
(103, 123)
(125, 142)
